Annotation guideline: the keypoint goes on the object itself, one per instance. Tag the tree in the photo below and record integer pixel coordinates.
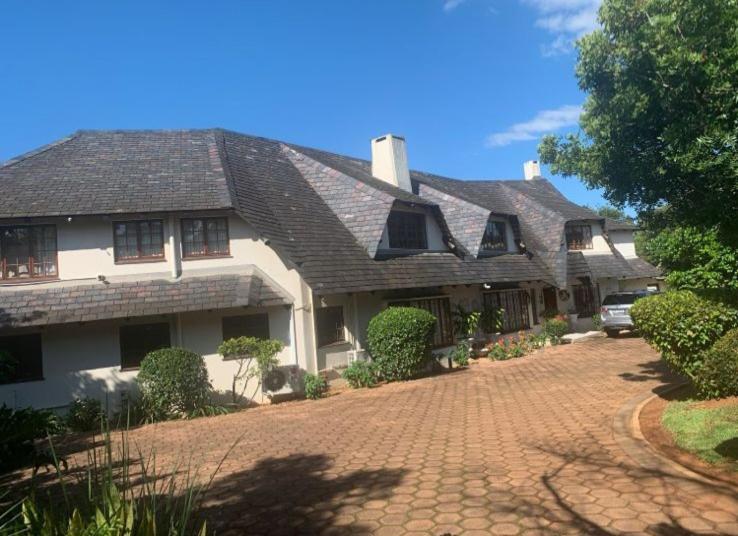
(692, 257)
(659, 125)
(609, 211)
(255, 358)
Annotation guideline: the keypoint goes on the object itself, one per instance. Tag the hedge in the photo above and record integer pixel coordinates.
(400, 340)
(682, 325)
(718, 376)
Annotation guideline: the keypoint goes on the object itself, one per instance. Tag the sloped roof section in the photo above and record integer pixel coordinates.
(114, 172)
(644, 268)
(24, 307)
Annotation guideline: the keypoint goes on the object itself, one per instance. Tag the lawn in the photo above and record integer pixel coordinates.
(708, 430)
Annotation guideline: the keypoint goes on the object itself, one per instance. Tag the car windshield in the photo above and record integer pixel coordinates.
(621, 299)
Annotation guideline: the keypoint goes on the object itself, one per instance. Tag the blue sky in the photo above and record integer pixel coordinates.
(471, 84)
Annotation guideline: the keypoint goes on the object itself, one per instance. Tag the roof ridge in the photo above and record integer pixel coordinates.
(38, 150)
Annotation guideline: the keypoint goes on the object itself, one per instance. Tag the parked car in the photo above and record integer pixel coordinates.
(615, 311)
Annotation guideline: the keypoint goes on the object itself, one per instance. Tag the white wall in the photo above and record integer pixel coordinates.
(623, 242)
(85, 360)
(599, 244)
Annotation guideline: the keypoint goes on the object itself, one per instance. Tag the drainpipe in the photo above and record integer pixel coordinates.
(357, 342)
(293, 334)
(173, 253)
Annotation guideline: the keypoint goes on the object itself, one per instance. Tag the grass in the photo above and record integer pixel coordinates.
(711, 433)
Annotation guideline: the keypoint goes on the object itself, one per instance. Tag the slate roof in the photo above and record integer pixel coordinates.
(322, 212)
(644, 268)
(614, 225)
(31, 306)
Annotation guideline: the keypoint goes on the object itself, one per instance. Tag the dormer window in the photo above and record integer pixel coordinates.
(494, 238)
(407, 230)
(578, 237)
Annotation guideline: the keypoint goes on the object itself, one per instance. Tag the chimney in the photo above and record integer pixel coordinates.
(389, 161)
(531, 170)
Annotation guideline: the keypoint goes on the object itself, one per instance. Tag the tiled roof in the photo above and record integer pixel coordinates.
(614, 225)
(108, 172)
(31, 306)
(644, 268)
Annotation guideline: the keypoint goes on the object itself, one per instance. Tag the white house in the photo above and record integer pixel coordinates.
(114, 243)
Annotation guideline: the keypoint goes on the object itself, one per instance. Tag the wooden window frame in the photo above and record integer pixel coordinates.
(504, 247)
(30, 378)
(128, 366)
(514, 303)
(319, 342)
(31, 259)
(420, 221)
(206, 254)
(444, 334)
(586, 242)
(139, 257)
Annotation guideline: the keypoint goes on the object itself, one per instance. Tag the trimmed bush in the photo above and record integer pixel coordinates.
(174, 383)
(718, 376)
(682, 325)
(461, 353)
(315, 386)
(361, 374)
(400, 340)
(85, 415)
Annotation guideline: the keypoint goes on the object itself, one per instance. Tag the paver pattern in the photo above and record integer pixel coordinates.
(520, 447)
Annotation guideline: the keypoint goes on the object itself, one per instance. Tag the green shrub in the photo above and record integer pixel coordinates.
(174, 383)
(555, 328)
(682, 325)
(400, 340)
(85, 415)
(461, 353)
(315, 386)
(718, 375)
(361, 374)
(18, 431)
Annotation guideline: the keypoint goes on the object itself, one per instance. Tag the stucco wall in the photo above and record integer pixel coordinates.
(85, 360)
(623, 242)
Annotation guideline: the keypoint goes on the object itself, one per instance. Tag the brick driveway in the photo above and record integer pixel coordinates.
(521, 447)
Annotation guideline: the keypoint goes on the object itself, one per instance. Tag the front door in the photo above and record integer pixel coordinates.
(550, 304)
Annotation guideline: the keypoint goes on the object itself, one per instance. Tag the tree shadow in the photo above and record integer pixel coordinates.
(655, 370)
(728, 449)
(298, 494)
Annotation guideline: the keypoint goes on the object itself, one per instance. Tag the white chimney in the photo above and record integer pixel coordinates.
(389, 161)
(531, 170)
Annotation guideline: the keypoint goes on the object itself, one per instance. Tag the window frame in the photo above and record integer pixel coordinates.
(438, 306)
(586, 242)
(32, 255)
(514, 303)
(421, 222)
(319, 340)
(139, 257)
(207, 254)
(504, 247)
(40, 365)
(127, 366)
(586, 299)
(235, 318)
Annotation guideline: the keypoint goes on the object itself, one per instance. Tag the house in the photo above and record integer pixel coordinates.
(115, 243)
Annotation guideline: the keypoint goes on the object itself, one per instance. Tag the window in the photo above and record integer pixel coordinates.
(24, 358)
(139, 339)
(138, 240)
(330, 325)
(494, 238)
(205, 237)
(584, 300)
(578, 237)
(28, 252)
(407, 230)
(441, 309)
(246, 326)
(514, 305)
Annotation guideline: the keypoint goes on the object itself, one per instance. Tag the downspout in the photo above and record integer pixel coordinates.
(357, 342)
(293, 334)
(173, 253)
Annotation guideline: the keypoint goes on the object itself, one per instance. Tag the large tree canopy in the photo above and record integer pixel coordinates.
(660, 120)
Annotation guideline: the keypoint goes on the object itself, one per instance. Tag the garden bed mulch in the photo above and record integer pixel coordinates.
(661, 439)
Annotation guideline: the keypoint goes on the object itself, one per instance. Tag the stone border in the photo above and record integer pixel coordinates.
(627, 433)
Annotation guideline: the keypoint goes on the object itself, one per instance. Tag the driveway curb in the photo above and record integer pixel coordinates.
(627, 432)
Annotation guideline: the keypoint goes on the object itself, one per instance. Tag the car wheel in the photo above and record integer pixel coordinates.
(611, 332)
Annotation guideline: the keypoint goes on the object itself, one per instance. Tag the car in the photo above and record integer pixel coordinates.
(615, 311)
